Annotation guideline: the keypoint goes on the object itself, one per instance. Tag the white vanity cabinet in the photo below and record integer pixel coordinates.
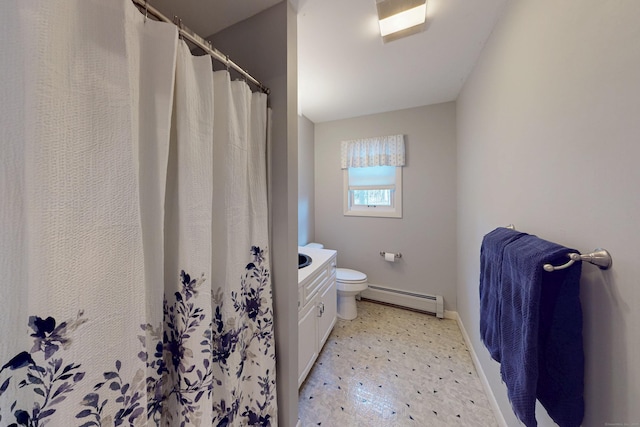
(317, 306)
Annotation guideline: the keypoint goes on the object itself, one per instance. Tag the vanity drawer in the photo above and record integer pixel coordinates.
(315, 283)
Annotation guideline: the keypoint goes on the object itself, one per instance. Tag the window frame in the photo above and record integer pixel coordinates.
(394, 211)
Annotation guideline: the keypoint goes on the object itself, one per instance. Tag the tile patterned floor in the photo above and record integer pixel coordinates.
(394, 367)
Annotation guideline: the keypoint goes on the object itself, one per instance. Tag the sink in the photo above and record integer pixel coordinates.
(303, 260)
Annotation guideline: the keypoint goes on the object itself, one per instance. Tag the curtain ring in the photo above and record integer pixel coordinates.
(146, 11)
(227, 63)
(178, 23)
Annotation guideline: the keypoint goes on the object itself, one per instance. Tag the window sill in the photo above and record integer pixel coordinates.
(374, 213)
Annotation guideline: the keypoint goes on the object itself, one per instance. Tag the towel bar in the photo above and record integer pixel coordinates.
(600, 257)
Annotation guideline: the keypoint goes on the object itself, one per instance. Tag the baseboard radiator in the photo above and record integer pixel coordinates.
(428, 303)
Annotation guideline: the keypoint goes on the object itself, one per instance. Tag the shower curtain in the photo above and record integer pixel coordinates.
(134, 265)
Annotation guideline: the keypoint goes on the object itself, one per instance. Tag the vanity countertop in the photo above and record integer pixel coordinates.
(318, 258)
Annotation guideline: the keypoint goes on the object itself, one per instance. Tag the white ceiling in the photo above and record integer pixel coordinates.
(344, 68)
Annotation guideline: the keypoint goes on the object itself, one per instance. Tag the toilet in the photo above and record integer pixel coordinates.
(349, 283)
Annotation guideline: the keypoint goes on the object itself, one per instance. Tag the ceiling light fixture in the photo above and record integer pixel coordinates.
(401, 18)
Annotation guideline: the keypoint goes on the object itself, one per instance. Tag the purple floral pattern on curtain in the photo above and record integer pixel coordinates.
(181, 374)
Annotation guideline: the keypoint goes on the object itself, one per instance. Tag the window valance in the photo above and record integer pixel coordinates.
(379, 151)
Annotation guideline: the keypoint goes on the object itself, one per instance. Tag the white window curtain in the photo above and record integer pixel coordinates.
(378, 151)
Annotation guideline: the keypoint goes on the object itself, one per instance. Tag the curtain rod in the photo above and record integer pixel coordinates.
(200, 42)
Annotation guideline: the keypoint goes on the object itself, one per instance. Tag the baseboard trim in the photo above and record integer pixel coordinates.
(451, 315)
(476, 362)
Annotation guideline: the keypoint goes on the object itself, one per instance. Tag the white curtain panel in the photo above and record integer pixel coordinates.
(243, 319)
(184, 389)
(135, 274)
(80, 268)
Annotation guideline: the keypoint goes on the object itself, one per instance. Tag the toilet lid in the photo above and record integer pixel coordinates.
(347, 275)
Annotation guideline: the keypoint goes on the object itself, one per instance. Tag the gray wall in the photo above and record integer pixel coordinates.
(548, 127)
(426, 235)
(306, 192)
(266, 45)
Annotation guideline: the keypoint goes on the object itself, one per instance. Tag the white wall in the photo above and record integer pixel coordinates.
(426, 234)
(306, 192)
(265, 44)
(548, 128)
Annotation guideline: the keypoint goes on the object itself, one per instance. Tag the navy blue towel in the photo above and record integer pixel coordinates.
(541, 332)
(491, 254)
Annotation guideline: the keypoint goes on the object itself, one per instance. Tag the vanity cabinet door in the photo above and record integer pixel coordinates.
(307, 340)
(327, 306)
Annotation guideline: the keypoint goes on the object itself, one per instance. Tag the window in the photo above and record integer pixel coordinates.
(373, 191)
(372, 176)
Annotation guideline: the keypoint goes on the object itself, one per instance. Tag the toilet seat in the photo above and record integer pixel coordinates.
(351, 288)
(348, 276)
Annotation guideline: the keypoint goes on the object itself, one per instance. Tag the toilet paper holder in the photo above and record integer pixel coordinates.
(396, 256)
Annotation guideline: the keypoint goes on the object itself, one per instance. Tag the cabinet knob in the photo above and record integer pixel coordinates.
(320, 309)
